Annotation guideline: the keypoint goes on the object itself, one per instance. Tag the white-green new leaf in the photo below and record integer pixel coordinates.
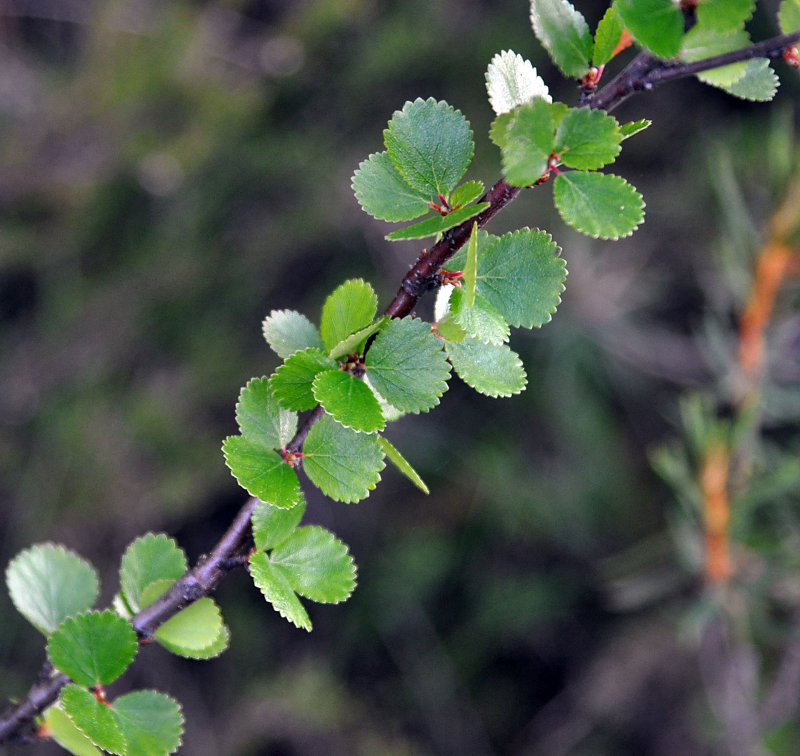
(383, 193)
(587, 139)
(759, 83)
(316, 564)
(271, 580)
(287, 331)
(93, 648)
(482, 320)
(261, 417)
(342, 463)
(291, 382)
(262, 472)
(598, 204)
(512, 80)
(607, 36)
(402, 464)
(93, 719)
(151, 722)
(271, 525)
(350, 307)
(437, 224)
(656, 24)
(789, 16)
(493, 370)
(406, 365)
(149, 558)
(64, 732)
(430, 144)
(564, 33)
(349, 401)
(48, 583)
(528, 142)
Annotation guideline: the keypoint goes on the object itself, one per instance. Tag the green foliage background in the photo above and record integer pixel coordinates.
(170, 172)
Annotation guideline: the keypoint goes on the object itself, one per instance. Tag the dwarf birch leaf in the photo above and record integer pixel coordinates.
(354, 343)
(390, 413)
(64, 732)
(93, 719)
(758, 84)
(701, 42)
(564, 33)
(383, 193)
(587, 139)
(260, 416)
(789, 16)
(512, 80)
(656, 24)
(599, 205)
(151, 722)
(724, 15)
(448, 329)
(607, 36)
(316, 564)
(402, 464)
(193, 630)
(466, 193)
(627, 130)
(291, 382)
(430, 144)
(498, 131)
(351, 306)
(437, 224)
(48, 583)
(287, 331)
(93, 648)
(342, 463)
(493, 370)
(529, 140)
(470, 277)
(349, 401)
(271, 525)
(261, 471)
(149, 558)
(482, 320)
(407, 367)
(271, 580)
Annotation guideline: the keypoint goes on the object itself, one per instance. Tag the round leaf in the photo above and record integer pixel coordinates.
(511, 80)
(193, 630)
(64, 732)
(94, 719)
(656, 24)
(287, 331)
(607, 36)
(271, 580)
(261, 417)
(349, 401)
(383, 193)
(151, 722)
(291, 382)
(564, 33)
(481, 320)
(150, 557)
(271, 525)
(587, 139)
(48, 583)
(351, 306)
(528, 142)
(490, 369)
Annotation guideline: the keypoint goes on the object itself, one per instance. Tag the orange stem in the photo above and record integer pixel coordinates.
(716, 513)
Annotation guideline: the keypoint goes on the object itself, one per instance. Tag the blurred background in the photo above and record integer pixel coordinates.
(171, 172)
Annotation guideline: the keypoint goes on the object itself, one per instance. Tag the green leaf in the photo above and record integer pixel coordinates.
(400, 462)
(430, 144)
(349, 401)
(48, 583)
(287, 331)
(511, 80)
(291, 382)
(522, 277)
(470, 273)
(407, 367)
(437, 224)
(564, 33)
(607, 36)
(151, 722)
(598, 204)
(700, 43)
(656, 24)
(192, 631)
(316, 564)
(351, 306)
(272, 525)
(627, 130)
(491, 369)
(724, 15)
(482, 320)
(383, 193)
(93, 719)
(271, 580)
(63, 731)
(587, 139)
(342, 463)
(151, 557)
(260, 416)
(466, 193)
(789, 16)
(93, 648)
(261, 471)
(354, 343)
(390, 413)
(498, 131)
(529, 141)
(758, 84)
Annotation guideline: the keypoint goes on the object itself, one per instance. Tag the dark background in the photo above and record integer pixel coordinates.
(171, 172)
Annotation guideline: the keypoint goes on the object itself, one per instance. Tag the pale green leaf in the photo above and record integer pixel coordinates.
(151, 557)
(430, 144)
(587, 139)
(482, 320)
(349, 401)
(724, 15)
(564, 33)
(193, 630)
(607, 36)
(93, 719)
(402, 464)
(598, 204)
(701, 42)
(512, 80)
(448, 329)
(759, 83)
(383, 193)
(437, 224)
(354, 343)
(48, 583)
(262, 472)
(529, 141)
(316, 564)
(151, 722)
(93, 648)
(342, 463)
(390, 413)
(260, 416)
(491, 369)
(789, 16)
(498, 131)
(60, 728)
(406, 365)
(271, 525)
(271, 580)
(287, 331)
(466, 193)
(350, 307)
(627, 130)
(291, 382)
(657, 25)
(470, 273)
